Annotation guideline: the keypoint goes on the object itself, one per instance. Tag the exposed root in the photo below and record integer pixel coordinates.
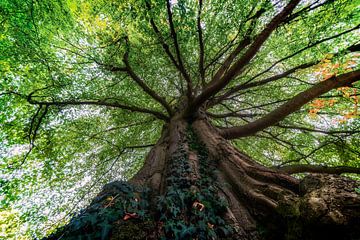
(200, 185)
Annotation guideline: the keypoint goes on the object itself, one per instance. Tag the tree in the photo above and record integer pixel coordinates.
(226, 100)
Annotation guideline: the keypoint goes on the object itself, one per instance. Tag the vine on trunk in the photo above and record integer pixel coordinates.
(117, 200)
(190, 208)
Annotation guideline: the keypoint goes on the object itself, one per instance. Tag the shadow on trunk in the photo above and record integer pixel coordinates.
(196, 185)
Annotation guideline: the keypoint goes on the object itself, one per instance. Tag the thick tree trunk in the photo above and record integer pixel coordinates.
(200, 187)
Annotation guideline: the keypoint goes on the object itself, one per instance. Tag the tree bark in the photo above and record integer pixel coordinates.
(192, 169)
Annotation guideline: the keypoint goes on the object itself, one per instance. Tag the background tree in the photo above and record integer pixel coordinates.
(89, 88)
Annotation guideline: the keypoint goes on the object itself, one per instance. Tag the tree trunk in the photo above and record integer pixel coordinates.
(195, 185)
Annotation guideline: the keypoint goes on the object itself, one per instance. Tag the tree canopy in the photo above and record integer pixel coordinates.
(86, 86)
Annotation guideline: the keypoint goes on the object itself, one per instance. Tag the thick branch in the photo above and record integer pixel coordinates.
(158, 115)
(164, 45)
(228, 61)
(305, 10)
(230, 44)
(219, 83)
(301, 168)
(261, 82)
(352, 48)
(145, 87)
(291, 106)
(244, 43)
(201, 45)
(177, 50)
(128, 70)
(249, 84)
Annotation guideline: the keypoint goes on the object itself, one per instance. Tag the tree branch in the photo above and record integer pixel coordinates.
(330, 132)
(232, 114)
(158, 115)
(291, 106)
(33, 130)
(352, 48)
(128, 69)
(217, 83)
(301, 168)
(244, 43)
(307, 9)
(226, 64)
(177, 50)
(248, 85)
(201, 45)
(164, 45)
(226, 47)
(143, 85)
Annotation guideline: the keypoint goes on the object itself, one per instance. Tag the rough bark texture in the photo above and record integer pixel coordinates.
(261, 203)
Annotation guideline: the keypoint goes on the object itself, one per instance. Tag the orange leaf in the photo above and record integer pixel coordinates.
(336, 65)
(331, 102)
(313, 112)
(129, 216)
(328, 75)
(318, 103)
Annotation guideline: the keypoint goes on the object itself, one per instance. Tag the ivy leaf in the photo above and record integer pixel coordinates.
(187, 232)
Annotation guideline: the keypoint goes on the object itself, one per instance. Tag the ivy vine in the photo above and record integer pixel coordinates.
(118, 200)
(192, 209)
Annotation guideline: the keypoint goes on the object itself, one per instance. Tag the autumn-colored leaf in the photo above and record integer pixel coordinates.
(328, 75)
(331, 102)
(318, 103)
(129, 216)
(198, 205)
(211, 226)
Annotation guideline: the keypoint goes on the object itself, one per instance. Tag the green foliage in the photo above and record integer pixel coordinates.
(57, 49)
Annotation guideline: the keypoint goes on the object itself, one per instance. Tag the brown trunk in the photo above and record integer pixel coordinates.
(268, 204)
(192, 168)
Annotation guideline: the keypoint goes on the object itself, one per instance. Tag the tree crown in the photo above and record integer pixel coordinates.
(86, 87)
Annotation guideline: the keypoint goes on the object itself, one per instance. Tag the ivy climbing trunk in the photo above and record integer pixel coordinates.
(195, 185)
(260, 202)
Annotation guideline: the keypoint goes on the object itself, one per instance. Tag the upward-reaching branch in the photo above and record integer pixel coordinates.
(244, 43)
(131, 73)
(201, 45)
(260, 83)
(219, 83)
(250, 84)
(310, 45)
(224, 49)
(291, 106)
(177, 50)
(309, 8)
(143, 85)
(164, 45)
